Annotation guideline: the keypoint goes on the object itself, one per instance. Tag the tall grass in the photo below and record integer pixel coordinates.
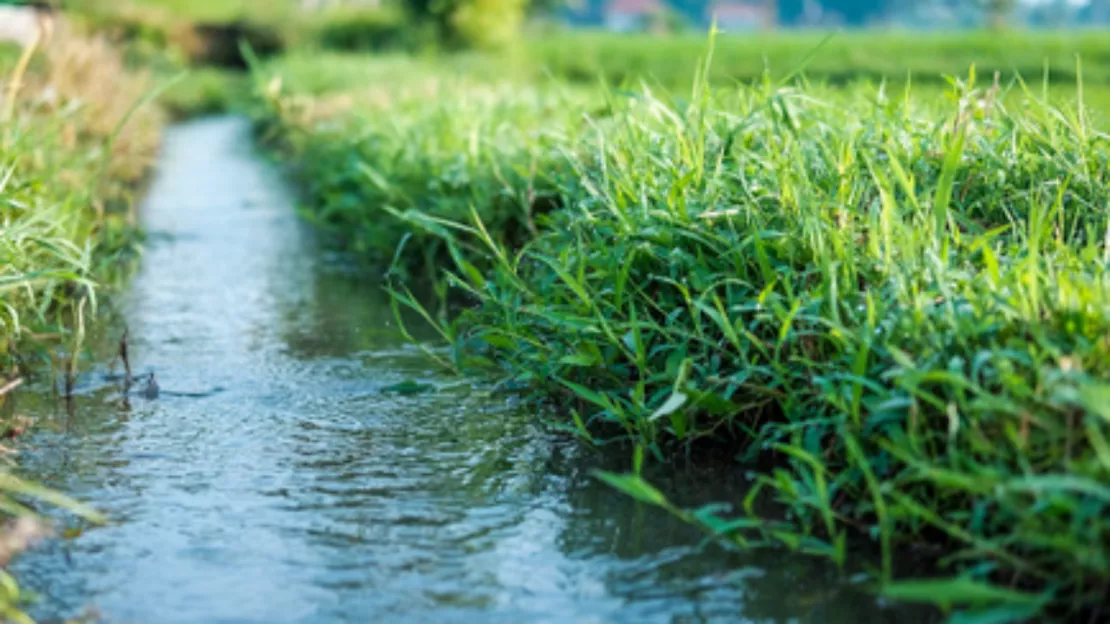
(67, 167)
(67, 164)
(894, 307)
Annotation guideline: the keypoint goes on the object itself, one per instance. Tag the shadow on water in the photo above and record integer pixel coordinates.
(280, 484)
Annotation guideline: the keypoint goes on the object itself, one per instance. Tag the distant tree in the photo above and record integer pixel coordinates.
(469, 23)
(431, 14)
(487, 23)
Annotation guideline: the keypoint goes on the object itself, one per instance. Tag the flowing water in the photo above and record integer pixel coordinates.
(275, 480)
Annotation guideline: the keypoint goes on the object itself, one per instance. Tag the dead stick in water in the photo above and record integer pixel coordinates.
(11, 385)
(70, 378)
(78, 342)
(126, 360)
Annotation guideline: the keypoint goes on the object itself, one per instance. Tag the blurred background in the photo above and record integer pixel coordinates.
(620, 42)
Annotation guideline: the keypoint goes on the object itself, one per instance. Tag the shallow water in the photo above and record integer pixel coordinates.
(273, 481)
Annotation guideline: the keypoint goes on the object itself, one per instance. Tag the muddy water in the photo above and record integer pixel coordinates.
(274, 481)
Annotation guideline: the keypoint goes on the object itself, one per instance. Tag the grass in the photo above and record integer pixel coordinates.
(206, 91)
(197, 10)
(68, 164)
(68, 170)
(893, 305)
(844, 58)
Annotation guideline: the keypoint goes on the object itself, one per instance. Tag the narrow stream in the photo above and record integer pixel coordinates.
(274, 481)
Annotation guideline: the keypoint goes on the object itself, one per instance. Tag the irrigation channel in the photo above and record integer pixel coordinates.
(274, 480)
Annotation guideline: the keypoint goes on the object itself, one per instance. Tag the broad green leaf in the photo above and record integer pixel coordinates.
(634, 486)
(672, 404)
(589, 395)
(1096, 398)
(1039, 484)
(953, 591)
(15, 485)
(578, 359)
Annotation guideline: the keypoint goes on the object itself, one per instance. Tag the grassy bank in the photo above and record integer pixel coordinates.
(69, 171)
(894, 305)
(68, 168)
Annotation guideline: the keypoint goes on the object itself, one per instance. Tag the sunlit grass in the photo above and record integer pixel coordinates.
(67, 164)
(891, 299)
(200, 10)
(66, 169)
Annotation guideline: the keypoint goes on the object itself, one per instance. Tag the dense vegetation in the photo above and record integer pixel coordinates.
(68, 165)
(888, 300)
(891, 303)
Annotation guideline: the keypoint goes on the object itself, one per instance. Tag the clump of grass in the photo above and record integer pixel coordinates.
(903, 304)
(72, 145)
(908, 310)
(68, 164)
(361, 29)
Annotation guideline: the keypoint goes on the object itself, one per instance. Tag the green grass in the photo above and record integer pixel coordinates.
(67, 166)
(206, 91)
(843, 58)
(893, 304)
(198, 10)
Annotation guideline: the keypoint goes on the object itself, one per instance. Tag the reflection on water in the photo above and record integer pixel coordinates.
(293, 490)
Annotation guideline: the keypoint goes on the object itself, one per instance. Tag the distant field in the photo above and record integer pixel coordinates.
(1046, 64)
(1050, 65)
(201, 10)
(322, 74)
(843, 57)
